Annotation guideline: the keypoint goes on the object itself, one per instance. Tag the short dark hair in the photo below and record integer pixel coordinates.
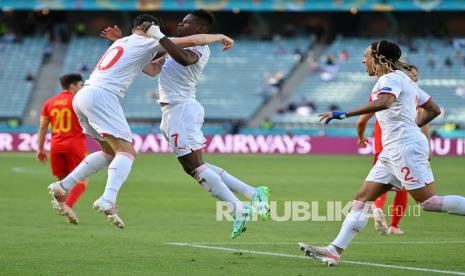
(206, 17)
(68, 79)
(145, 18)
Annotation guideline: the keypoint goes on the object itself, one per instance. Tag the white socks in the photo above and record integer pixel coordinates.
(118, 172)
(452, 204)
(93, 163)
(354, 223)
(233, 183)
(212, 183)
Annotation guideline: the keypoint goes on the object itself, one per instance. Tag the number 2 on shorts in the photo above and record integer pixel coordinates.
(407, 176)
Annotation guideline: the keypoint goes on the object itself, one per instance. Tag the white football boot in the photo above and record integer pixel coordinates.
(320, 253)
(380, 221)
(58, 195)
(110, 210)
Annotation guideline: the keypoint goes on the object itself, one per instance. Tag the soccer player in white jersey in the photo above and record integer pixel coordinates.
(404, 159)
(101, 115)
(183, 117)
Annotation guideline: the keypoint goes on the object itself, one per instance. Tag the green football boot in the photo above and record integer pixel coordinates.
(241, 221)
(261, 202)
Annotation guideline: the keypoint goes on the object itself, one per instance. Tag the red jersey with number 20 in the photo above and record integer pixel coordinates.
(67, 134)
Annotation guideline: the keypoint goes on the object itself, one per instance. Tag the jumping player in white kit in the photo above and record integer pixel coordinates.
(404, 159)
(101, 115)
(183, 117)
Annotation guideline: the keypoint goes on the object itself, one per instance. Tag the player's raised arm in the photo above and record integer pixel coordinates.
(204, 39)
(41, 155)
(114, 33)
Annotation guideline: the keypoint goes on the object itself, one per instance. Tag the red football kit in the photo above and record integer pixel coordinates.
(68, 146)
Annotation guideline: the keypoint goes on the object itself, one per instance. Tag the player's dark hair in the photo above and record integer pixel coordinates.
(68, 79)
(207, 19)
(145, 18)
(387, 56)
(411, 67)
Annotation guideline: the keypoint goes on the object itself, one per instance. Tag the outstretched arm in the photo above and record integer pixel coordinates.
(383, 102)
(430, 111)
(115, 33)
(203, 39)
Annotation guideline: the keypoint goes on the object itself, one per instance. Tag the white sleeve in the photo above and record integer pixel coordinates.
(200, 51)
(423, 97)
(388, 85)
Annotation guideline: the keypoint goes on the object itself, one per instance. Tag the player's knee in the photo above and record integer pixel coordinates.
(361, 196)
(433, 204)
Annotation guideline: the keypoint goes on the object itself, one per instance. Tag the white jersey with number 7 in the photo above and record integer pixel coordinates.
(122, 62)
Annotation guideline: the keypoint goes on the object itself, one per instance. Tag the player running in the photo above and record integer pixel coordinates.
(400, 202)
(183, 116)
(68, 145)
(403, 163)
(101, 115)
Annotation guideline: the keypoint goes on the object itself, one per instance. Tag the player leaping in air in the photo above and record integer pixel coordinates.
(183, 117)
(101, 115)
(404, 159)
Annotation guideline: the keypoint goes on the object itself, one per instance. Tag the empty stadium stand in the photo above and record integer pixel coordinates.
(350, 86)
(19, 59)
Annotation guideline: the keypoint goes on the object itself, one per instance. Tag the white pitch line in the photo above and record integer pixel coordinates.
(303, 257)
(320, 242)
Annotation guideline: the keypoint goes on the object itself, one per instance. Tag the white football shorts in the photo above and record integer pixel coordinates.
(100, 113)
(181, 124)
(404, 167)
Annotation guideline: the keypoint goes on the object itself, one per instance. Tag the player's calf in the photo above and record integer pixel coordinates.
(452, 204)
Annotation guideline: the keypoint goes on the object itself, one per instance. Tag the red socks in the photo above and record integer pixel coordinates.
(380, 201)
(75, 193)
(398, 207)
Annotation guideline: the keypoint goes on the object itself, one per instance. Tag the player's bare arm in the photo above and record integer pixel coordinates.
(41, 155)
(180, 55)
(204, 39)
(361, 127)
(383, 102)
(154, 67)
(114, 33)
(430, 111)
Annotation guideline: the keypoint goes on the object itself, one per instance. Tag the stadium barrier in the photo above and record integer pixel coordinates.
(243, 144)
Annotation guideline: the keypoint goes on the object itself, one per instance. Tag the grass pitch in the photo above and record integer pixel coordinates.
(161, 205)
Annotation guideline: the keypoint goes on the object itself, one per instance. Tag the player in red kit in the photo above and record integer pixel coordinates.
(68, 145)
(400, 202)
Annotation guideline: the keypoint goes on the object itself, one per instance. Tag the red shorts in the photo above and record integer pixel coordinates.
(62, 163)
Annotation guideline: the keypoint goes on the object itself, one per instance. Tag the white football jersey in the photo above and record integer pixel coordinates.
(398, 123)
(122, 62)
(178, 83)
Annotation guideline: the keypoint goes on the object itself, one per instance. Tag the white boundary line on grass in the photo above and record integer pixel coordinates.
(320, 242)
(303, 257)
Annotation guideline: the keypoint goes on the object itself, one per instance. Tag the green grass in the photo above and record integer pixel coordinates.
(161, 205)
